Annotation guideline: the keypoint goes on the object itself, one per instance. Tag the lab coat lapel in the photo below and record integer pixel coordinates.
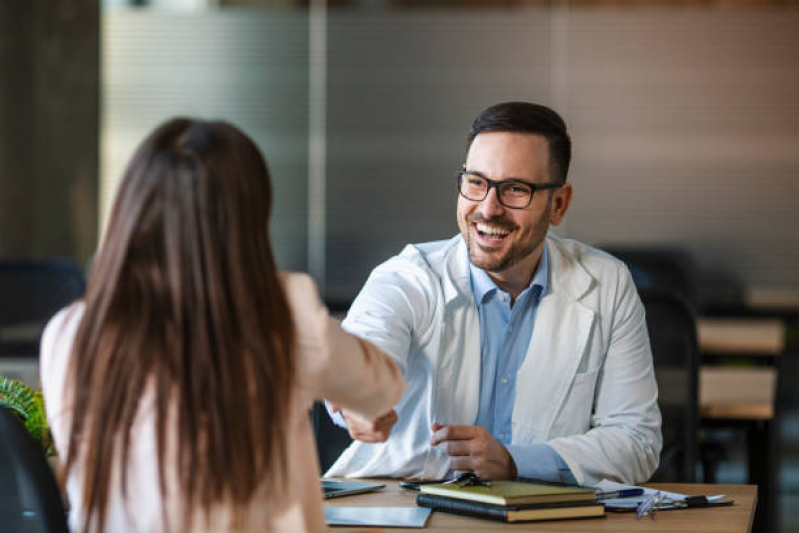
(560, 338)
(458, 370)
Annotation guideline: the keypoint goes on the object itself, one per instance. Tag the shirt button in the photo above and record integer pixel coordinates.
(510, 328)
(504, 381)
(501, 435)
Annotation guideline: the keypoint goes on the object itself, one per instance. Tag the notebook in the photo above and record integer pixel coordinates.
(511, 493)
(513, 513)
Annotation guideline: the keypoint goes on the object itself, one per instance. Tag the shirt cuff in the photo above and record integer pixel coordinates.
(540, 461)
(336, 417)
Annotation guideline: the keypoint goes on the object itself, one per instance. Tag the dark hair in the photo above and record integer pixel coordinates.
(184, 306)
(524, 117)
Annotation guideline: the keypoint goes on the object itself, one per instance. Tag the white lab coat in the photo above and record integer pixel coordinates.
(586, 387)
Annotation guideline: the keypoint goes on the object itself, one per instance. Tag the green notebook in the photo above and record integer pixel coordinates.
(511, 493)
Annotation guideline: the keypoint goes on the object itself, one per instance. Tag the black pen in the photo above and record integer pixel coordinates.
(619, 494)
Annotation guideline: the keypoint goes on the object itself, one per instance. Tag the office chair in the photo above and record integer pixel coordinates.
(662, 269)
(330, 439)
(30, 501)
(31, 292)
(672, 334)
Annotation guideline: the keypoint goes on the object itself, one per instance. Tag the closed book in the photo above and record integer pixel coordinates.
(513, 513)
(511, 493)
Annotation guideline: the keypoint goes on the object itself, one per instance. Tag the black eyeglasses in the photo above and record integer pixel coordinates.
(514, 194)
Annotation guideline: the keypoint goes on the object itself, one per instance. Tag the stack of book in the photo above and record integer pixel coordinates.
(512, 501)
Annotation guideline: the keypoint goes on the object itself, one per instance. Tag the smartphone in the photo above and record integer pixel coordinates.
(414, 485)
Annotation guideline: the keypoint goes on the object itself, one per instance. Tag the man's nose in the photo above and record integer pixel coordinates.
(490, 206)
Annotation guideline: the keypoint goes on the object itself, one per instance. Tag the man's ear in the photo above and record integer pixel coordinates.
(561, 199)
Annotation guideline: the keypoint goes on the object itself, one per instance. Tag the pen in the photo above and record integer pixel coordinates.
(619, 494)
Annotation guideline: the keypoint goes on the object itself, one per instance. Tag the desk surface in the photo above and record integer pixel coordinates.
(737, 518)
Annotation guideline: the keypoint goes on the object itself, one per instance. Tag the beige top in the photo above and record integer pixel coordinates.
(330, 364)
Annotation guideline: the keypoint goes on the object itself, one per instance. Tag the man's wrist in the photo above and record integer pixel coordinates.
(511, 466)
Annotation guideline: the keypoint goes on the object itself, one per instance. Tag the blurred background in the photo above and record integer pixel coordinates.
(684, 116)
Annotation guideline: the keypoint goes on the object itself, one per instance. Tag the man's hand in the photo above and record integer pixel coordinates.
(366, 430)
(474, 449)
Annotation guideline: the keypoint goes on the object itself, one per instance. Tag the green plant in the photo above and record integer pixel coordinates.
(28, 405)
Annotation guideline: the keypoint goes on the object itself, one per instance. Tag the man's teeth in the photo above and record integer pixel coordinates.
(491, 230)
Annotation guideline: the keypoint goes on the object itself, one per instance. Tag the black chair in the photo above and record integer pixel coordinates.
(662, 269)
(672, 334)
(31, 292)
(330, 439)
(30, 501)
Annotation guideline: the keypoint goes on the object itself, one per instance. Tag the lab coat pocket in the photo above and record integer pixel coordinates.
(574, 416)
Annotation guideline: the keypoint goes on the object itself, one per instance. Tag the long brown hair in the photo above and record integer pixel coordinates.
(184, 303)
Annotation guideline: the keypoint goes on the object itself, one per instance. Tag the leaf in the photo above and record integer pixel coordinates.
(28, 405)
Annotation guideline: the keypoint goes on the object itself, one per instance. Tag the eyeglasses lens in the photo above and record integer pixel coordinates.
(511, 194)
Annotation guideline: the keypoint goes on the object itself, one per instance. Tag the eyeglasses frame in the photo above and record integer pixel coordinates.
(495, 184)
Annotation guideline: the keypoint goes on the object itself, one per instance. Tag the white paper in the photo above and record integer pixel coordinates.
(607, 485)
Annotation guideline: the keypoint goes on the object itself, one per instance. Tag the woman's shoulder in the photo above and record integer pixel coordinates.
(61, 329)
(300, 290)
(297, 282)
(55, 350)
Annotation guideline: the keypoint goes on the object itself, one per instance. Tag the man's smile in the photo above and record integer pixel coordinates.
(490, 234)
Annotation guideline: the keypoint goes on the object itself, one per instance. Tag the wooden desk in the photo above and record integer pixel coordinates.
(737, 518)
(741, 336)
(772, 298)
(737, 393)
(744, 397)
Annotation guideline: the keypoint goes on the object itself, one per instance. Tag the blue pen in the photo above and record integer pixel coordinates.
(619, 494)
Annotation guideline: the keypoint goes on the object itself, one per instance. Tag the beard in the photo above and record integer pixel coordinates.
(517, 251)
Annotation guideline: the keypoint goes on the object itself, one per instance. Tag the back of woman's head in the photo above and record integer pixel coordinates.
(184, 306)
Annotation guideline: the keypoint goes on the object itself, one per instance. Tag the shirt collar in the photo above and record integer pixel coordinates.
(483, 286)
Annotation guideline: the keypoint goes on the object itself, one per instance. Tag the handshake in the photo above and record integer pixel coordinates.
(364, 429)
(470, 448)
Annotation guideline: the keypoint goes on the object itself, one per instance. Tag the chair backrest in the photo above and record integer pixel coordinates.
(672, 333)
(31, 292)
(662, 269)
(330, 439)
(30, 501)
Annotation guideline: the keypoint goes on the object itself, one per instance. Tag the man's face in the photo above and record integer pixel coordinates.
(498, 237)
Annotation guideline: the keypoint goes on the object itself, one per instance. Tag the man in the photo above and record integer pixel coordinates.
(527, 354)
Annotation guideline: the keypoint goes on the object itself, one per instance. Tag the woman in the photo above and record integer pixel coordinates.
(178, 389)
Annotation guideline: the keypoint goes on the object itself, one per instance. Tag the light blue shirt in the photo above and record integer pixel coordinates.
(505, 332)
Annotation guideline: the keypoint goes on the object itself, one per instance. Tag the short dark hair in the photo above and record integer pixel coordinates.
(524, 117)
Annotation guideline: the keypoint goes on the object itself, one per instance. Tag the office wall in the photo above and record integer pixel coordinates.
(49, 114)
(403, 88)
(687, 126)
(684, 120)
(249, 67)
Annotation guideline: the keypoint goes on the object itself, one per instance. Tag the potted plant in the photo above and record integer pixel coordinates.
(28, 405)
